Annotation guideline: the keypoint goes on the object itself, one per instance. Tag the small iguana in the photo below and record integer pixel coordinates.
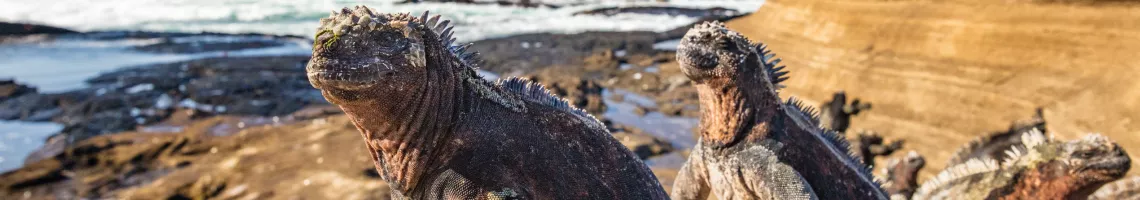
(437, 130)
(1128, 188)
(869, 144)
(1040, 168)
(753, 145)
(902, 175)
(836, 113)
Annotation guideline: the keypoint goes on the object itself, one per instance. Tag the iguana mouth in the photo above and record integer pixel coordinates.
(1116, 165)
(326, 75)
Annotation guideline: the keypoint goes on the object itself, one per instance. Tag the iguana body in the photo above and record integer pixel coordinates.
(743, 116)
(868, 145)
(836, 114)
(994, 146)
(1041, 168)
(439, 131)
(902, 175)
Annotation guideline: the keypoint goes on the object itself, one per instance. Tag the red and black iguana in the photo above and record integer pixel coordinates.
(436, 130)
(752, 144)
(1039, 167)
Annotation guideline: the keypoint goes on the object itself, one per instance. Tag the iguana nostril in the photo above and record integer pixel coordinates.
(707, 63)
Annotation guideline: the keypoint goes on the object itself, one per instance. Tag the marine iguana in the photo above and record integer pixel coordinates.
(996, 144)
(743, 117)
(902, 175)
(1128, 188)
(836, 113)
(437, 130)
(1042, 168)
(869, 144)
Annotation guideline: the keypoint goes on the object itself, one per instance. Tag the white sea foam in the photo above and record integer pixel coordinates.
(18, 139)
(299, 17)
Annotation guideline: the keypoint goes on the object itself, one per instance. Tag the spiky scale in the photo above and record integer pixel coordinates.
(432, 23)
(443, 25)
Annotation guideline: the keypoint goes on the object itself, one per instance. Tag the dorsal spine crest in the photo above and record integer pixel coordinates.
(537, 93)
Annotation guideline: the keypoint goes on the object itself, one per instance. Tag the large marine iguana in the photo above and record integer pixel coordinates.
(436, 130)
(744, 118)
(1039, 168)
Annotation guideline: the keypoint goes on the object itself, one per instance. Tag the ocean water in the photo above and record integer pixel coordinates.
(300, 17)
(18, 139)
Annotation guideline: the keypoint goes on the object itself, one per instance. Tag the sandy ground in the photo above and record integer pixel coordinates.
(942, 73)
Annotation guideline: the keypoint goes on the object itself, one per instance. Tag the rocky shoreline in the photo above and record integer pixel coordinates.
(151, 130)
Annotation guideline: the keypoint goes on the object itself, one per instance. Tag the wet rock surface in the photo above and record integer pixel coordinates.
(225, 127)
(663, 10)
(314, 159)
(9, 28)
(517, 54)
(124, 99)
(10, 89)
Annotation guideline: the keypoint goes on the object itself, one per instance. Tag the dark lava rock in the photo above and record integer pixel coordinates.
(198, 44)
(38, 107)
(530, 52)
(125, 99)
(9, 89)
(519, 3)
(663, 10)
(8, 28)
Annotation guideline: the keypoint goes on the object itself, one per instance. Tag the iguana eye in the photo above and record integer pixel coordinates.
(394, 43)
(1084, 154)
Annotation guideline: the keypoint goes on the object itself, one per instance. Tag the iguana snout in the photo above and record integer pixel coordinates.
(1096, 157)
(355, 50)
(710, 50)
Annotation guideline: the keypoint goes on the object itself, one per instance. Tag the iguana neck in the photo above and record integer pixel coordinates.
(408, 132)
(1046, 180)
(735, 110)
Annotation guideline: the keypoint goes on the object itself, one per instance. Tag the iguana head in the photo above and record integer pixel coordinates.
(905, 169)
(1069, 168)
(1094, 158)
(902, 175)
(358, 54)
(733, 78)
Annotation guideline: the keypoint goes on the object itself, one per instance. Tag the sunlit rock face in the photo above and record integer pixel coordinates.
(942, 73)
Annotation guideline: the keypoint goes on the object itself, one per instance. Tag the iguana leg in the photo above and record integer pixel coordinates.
(691, 182)
(453, 186)
(764, 174)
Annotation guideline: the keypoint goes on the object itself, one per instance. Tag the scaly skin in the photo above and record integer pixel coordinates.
(1128, 188)
(1042, 168)
(742, 116)
(994, 146)
(436, 130)
(902, 175)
